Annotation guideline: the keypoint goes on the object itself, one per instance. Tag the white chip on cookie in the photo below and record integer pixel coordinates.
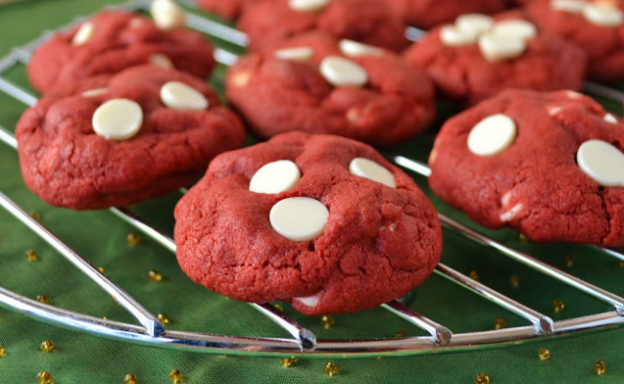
(160, 60)
(602, 162)
(452, 36)
(354, 49)
(299, 218)
(492, 135)
(167, 14)
(474, 23)
(308, 5)
(371, 170)
(94, 92)
(84, 34)
(570, 6)
(515, 28)
(118, 119)
(495, 47)
(310, 301)
(177, 95)
(294, 54)
(604, 16)
(341, 72)
(609, 118)
(276, 177)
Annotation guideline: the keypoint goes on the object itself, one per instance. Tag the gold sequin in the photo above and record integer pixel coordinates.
(331, 369)
(499, 323)
(131, 378)
(288, 362)
(278, 307)
(544, 354)
(482, 378)
(600, 367)
(569, 261)
(474, 275)
(31, 256)
(400, 334)
(101, 270)
(2, 351)
(163, 318)
(154, 275)
(47, 346)
(523, 238)
(35, 215)
(175, 376)
(558, 305)
(327, 321)
(133, 239)
(43, 299)
(514, 281)
(44, 377)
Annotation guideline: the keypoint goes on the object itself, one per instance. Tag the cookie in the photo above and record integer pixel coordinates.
(596, 27)
(320, 221)
(549, 165)
(426, 14)
(115, 40)
(366, 21)
(229, 10)
(115, 140)
(316, 84)
(479, 56)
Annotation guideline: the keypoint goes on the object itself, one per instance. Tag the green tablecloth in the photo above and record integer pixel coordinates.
(101, 237)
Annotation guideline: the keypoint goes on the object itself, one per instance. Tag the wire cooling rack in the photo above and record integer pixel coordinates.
(151, 331)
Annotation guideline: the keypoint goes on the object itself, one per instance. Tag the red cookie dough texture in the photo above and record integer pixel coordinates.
(276, 95)
(603, 44)
(463, 74)
(427, 14)
(366, 21)
(119, 40)
(67, 164)
(228, 9)
(378, 244)
(535, 185)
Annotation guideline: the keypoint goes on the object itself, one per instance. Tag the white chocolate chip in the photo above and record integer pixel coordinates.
(505, 199)
(573, 95)
(496, 47)
(570, 6)
(603, 16)
(299, 218)
(602, 162)
(554, 110)
(94, 92)
(177, 95)
(240, 79)
(84, 34)
(354, 49)
(492, 135)
(515, 28)
(294, 54)
(452, 36)
(118, 119)
(276, 177)
(310, 301)
(474, 22)
(167, 14)
(370, 170)
(609, 118)
(341, 72)
(307, 5)
(509, 215)
(161, 61)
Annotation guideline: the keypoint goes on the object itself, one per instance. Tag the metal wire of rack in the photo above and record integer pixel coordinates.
(151, 331)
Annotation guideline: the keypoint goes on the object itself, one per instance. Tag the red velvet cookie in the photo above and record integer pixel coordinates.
(366, 21)
(76, 147)
(314, 84)
(478, 57)
(228, 9)
(320, 221)
(112, 41)
(427, 14)
(595, 27)
(549, 165)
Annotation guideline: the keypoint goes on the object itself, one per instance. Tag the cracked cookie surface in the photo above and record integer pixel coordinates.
(67, 164)
(534, 185)
(379, 242)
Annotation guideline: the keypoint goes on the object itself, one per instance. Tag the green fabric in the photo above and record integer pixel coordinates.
(101, 237)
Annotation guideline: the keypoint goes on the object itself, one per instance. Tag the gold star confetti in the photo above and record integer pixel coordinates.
(154, 275)
(331, 369)
(2, 351)
(288, 362)
(474, 275)
(544, 354)
(278, 307)
(400, 334)
(163, 318)
(569, 261)
(619, 264)
(482, 378)
(499, 323)
(133, 239)
(558, 305)
(175, 376)
(44, 377)
(514, 281)
(47, 346)
(523, 238)
(327, 322)
(43, 299)
(600, 367)
(131, 378)
(31, 256)
(101, 270)
(35, 215)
